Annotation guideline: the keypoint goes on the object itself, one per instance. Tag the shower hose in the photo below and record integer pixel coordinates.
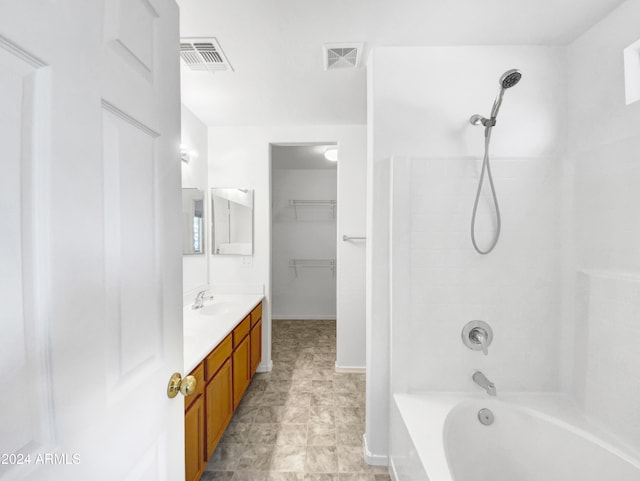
(486, 168)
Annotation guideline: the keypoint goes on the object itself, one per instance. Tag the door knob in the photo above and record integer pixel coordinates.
(186, 386)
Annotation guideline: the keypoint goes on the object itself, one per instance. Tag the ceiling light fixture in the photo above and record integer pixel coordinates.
(331, 154)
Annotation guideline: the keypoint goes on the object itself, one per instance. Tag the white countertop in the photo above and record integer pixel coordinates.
(202, 333)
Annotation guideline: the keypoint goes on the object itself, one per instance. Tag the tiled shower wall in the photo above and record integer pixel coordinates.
(420, 101)
(604, 147)
(607, 378)
(445, 283)
(562, 289)
(424, 125)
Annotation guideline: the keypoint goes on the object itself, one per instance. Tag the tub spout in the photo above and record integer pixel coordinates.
(481, 380)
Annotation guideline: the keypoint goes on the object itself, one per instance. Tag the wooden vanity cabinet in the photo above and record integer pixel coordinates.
(194, 428)
(256, 338)
(219, 405)
(221, 380)
(218, 393)
(241, 360)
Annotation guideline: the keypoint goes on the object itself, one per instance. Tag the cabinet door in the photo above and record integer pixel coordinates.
(256, 346)
(241, 370)
(219, 401)
(194, 440)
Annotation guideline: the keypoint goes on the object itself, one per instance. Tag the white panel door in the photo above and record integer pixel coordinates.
(90, 248)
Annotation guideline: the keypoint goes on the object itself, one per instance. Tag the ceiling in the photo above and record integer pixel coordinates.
(301, 157)
(275, 47)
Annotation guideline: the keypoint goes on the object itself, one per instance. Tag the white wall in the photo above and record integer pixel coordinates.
(239, 156)
(305, 232)
(194, 175)
(604, 141)
(420, 100)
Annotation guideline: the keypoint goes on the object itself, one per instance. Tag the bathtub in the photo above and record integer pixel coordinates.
(438, 437)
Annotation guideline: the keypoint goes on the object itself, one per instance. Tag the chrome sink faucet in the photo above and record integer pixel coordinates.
(481, 380)
(199, 302)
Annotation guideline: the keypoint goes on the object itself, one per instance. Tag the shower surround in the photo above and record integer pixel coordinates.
(425, 162)
(562, 289)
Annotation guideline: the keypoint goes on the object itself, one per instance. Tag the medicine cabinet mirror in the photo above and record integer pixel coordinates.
(192, 221)
(232, 221)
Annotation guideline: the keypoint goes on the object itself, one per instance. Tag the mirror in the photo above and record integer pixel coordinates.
(192, 221)
(232, 221)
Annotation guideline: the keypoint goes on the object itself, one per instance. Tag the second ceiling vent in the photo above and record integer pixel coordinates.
(204, 54)
(342, 55)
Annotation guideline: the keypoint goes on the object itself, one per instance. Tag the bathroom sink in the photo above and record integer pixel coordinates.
(217, 309)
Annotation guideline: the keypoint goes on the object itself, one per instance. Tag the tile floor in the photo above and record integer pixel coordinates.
(300, 422)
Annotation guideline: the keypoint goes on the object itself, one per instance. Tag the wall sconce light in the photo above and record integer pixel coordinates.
(186, 154)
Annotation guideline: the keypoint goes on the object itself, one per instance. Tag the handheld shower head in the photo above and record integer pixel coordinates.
(510, 78)
(507, 80)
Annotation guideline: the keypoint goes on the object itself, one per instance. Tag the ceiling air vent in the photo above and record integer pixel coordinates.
(342, 55)
(204, 54)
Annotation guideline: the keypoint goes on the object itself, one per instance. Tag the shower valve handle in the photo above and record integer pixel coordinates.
(477, 335)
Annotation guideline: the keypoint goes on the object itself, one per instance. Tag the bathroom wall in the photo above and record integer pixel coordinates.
(303, 233)
(420, 100)
(241, 156)
(604, 143)
(194, 175)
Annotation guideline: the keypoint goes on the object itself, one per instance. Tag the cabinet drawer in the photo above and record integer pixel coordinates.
(256, 314)
(218, 356)
(198, 373)
(241, 330)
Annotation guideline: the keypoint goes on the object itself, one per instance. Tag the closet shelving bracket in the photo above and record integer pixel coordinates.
(331, 204)
(296, 264)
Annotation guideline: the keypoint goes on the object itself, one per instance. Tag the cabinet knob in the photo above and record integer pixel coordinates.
(186, 386)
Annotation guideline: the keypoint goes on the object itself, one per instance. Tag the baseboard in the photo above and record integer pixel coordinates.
(350, 369)
(277, 317)
(373, 459)
(265, 367)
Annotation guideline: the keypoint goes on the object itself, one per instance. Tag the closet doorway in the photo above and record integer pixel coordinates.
(303, 232)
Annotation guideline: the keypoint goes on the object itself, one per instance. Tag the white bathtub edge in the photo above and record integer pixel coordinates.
(554, 408)
(429, 449)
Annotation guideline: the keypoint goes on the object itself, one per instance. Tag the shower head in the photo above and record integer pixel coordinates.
(507, 80)
(510, 78)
